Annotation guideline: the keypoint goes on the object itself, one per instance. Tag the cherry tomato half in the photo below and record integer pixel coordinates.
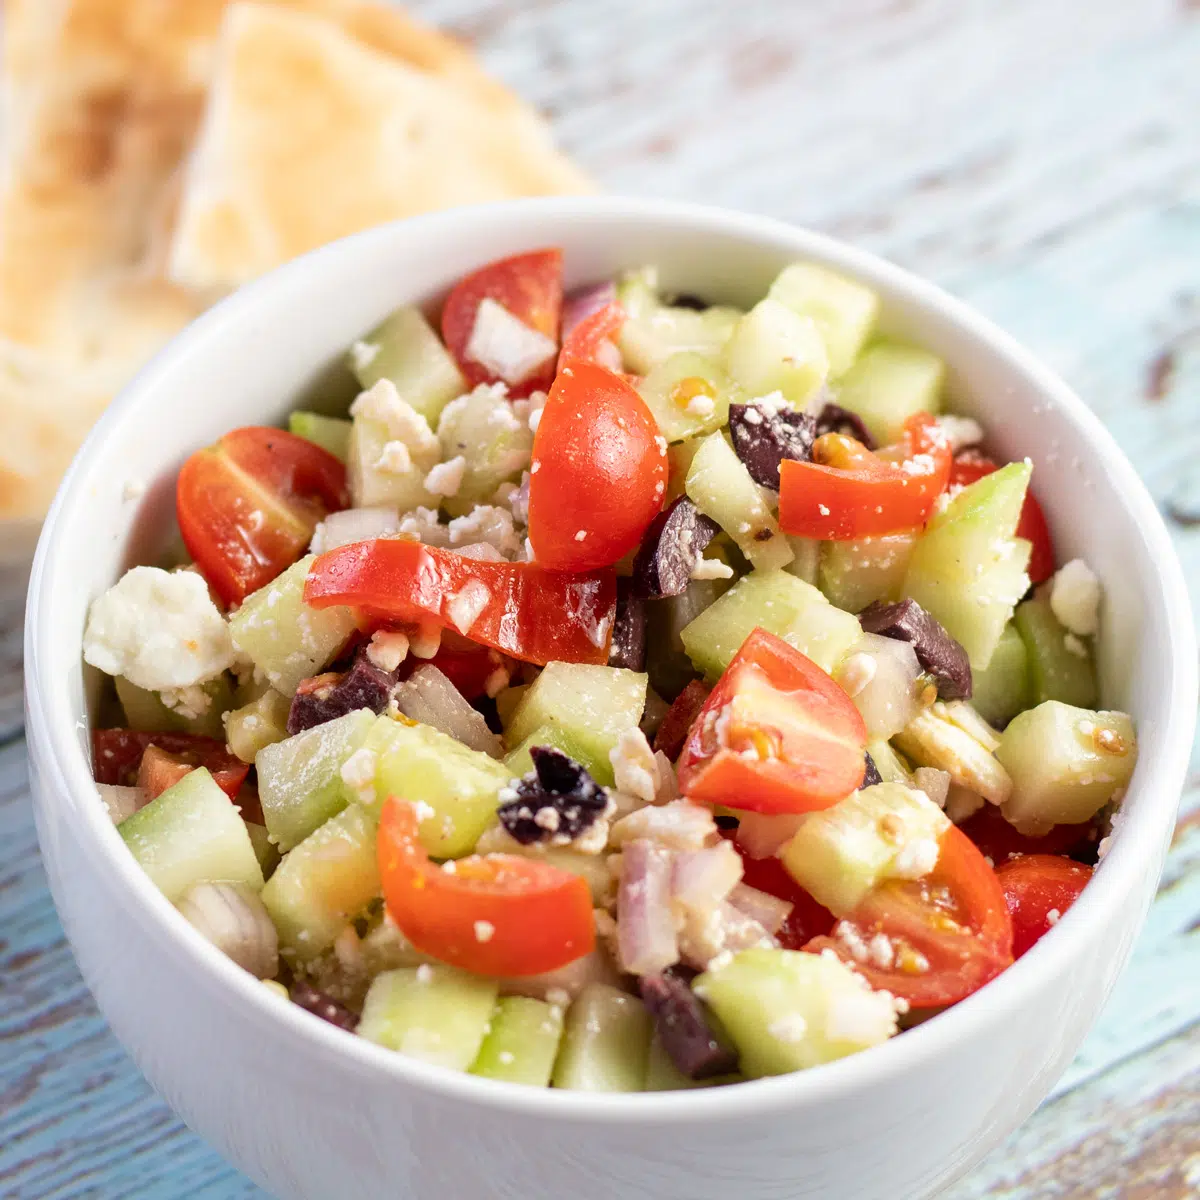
(247, 506)
(1038, 889)
(777, 735)
(599, 471)
(947, 934)
(117, 757)
(496, 914)
(594, 339)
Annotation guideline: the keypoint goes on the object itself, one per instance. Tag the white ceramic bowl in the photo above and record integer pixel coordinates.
(307, 1111)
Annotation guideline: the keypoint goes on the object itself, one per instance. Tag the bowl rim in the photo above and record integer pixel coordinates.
(55, 747)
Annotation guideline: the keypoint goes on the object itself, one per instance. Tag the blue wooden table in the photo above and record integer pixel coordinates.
(1040, 158)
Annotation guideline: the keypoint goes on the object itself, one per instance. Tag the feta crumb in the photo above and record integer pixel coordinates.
(403, 423)
(864, 1017)
(446, 478)
(823, 509)
(534, 420)
(394, 458)
(423, 811)
(190, 702)
(466, 607)
(580, 535)
(1075, 598)
(916, 859)
(557, 996)
(960, 432)
(388, 649)
(363, 354)
(424, 973)
(450, 867)
(1053, 917)
(711, 568)
(859, 670)
(423, 525)
(358, 774)
(635, 769)
(484, 931)
(486, 523)
(504, 345)
(1075, 645)
(701, 407)
(790, 1028)
(498, 679)
(159, 629)
(880, 952)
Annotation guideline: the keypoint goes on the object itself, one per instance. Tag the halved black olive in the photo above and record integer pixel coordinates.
(833, 418)
(936, 650)
(628, 646)
(671, 549)
(763, 436)
(683, 1027)
(557, 797)
(325, 697)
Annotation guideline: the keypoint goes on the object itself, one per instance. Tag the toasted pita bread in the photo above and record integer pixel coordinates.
(309, 135)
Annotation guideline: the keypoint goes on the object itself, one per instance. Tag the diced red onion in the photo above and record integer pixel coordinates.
(769, 911)
(885, 692)
(646, 938)
(429, 697)
(504, 345)
(701, 880)
(581, 304)
(353, 525)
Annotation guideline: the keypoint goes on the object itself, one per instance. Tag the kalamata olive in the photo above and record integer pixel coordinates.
(872, 777)
(322, 1005)
(685, 708)
(683, 1027)
(671, 549)
(936, 650)
(557, 798)
(324, 697)
(628, 646)
(833, 418)
(764, 435)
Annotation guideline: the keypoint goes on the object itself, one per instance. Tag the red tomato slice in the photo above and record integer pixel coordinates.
(159, 770)
(685, 708)
(808, 918)
(776, 735)
(599, 471)
(530, 287)
(1038, 889)
(247, 506)
(535, 615)
(849, 492)
(949, 933)
(594, 339)
(117, 756)
(971, 466)
(495, 914)
(999, 841)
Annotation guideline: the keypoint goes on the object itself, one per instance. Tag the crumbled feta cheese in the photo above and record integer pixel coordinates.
(1074, 645)
(535, 419)
(424, 811)
(466, 607)
(388, 648)
(701, 407)
(1075, 598)
(404, 424)
(960, 432)
(424, 973)
(711, 568)
(159, 629)
(635, 769)
(504, 345)
(484, 930)
(394, 458)
(853, 941)
(354, 525)
(916, 859)
(859, 670)
(823, 509)
(446, 478)
(880, 952)
(358, 774)
(1053, 917)
(580, 535)
(423, 525)
(486, 523)
(863, 1017)
(363, 354)
(679, 825)
(791, 1027)
(190, 702)
(772, 402)
(558, 997)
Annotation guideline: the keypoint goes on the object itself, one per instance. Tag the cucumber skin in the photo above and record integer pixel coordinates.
(606, 1042)
(1054, 672)
(192, 833)
(254, 726)
(332, 434)
(667, 662)
(1003, 689)
(653, 331)
(433, 1013)
(522, 1043)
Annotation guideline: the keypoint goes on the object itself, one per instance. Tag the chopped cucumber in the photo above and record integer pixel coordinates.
(406, 349)
(679, 463)
(256, 725)
(667, 662)
(376, 482)
(775, 349)
(787, 1010)
(687, 394)
(1002, 690)
(839, 854)
(843, 311)
(968, 568)
(1066, 763)
(606, 1042)
(720, 487)
(482, 428)
(284, 638)
(653, 331)
(950, 736)
(594, 705)
(299, 779)
(330, 433)
(146, 711)
(191, 833)
(265, 849)
(889, 762)
(519, 761)
(806, 563)
(507, 700)
(855, 574)
(1060, 663)
(435, 1013)
(323, 883)
(522, 1041)
(888, 384)
(461, 785)
(779, 603)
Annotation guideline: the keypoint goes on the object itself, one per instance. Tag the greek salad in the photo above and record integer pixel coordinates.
(627, 693)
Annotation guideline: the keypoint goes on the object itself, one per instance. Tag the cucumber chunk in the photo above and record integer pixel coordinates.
(482, 428)
(843, 311)
(654, 331)
(774, 349)
(522, 1042)
(265, 849)
(284, 638)
(687, 394)
(327, 880)
(667, 662)
(330, 433)
(374, 482)
(191, 833)
(720, 487)
(1060, 663)
(406, 349)
(839, 854)
(888, 384)
(679, 463)
(968, 568)
(890, 764)
(507, 700)
(855, 574)
(806, 561)
(593, 705)
(520, 761)
(256, 725)
(1066, 763)
(420, 763)
(299, 781)
(146, 711)
(1002, 690)
(787, 1010)
(435, 1013)
(606, 1042)
(779, 603)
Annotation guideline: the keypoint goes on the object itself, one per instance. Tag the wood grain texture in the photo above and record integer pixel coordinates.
(1039, 160)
